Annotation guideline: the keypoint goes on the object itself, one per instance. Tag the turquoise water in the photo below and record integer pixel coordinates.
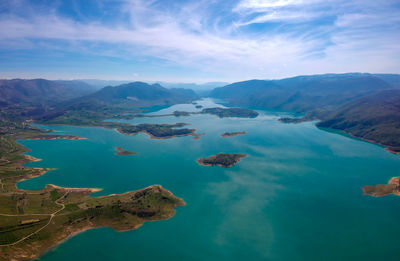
(297, 196)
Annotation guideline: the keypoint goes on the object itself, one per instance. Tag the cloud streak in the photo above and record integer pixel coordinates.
(247, 39)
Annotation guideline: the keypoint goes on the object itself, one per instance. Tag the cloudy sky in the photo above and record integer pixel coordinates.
(197, 40)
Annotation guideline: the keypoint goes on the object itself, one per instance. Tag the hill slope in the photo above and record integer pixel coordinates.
(374, 117)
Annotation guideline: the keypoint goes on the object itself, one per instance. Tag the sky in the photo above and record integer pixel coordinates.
(197, 40)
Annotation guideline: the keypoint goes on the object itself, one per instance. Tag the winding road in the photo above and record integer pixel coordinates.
(40, 229)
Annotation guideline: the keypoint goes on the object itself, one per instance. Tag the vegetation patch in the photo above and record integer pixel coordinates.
(221, 159)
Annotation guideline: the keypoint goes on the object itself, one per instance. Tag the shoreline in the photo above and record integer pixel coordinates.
(31, 158)
(56, 138)
(338, 131)
(90, 190)
(385, 147)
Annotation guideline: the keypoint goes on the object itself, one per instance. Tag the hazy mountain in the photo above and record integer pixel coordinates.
(78, 85)
(138, 93)
(120, 98)
(302, 93)
(194, 86)
(99, 84)
(39, 91)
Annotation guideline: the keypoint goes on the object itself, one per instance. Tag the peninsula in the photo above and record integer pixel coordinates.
(231, 134)
(380, 190)
(221, 159)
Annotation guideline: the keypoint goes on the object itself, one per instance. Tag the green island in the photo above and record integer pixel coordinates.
(31, 222)
(293, 119)
(121, 151)
(181, 113)
(380, 190)
(159, 131)
(231, 112)
(231, 134)
(221, 159)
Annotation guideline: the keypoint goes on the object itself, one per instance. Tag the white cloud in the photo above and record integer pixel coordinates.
(263, 4)
(190, 36)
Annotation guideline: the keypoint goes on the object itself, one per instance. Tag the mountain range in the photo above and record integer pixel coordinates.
(365, 105)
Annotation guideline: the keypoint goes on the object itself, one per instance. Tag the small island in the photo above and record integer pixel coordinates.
(181, 113)
(159, 131)
(221, 159)
(294, 120)
(231, 112)
(121, 151)
(231, 134)
(380, 190)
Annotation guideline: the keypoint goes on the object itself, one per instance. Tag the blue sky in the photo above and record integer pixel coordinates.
(197, 40)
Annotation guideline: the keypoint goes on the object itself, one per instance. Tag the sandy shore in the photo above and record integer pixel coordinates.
(57, 138)
(31, 158)
(90, 190)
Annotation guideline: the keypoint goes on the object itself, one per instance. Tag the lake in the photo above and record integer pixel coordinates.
(296, 196)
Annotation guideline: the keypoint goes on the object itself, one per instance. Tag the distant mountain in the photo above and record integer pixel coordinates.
(139, 94)
(375, 117)
(194, 86)
(99, 84)
(41, 91)
(78, 85)
(302, 93)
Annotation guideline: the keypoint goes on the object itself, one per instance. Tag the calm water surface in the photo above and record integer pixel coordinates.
(297, 196)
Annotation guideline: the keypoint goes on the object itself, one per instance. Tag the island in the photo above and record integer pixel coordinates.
(121, 151)
(221, 159)
(380, 190)
(230, 112)
(181, 113)
(33, 221)
(231, 134)
(293, 119)
(159, 131)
